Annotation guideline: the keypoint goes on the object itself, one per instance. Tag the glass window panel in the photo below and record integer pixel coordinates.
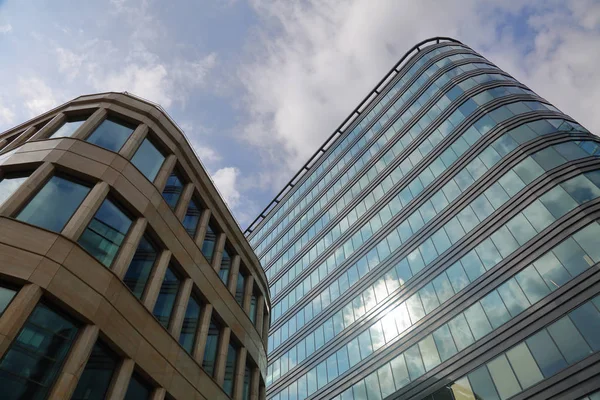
(587, 320)
(9, 184)
(511, 183)
(548, 158)
(445, 343)
(532, 284)
(538, 216)
(95, 378)
(187, 337)
(137, 389)
(192, 218)
(572, 257)
(240, 285)
(32, 362)
(111, 134)
(166, 297)
(546, 353)
(386, 381)
(6, 296)
(461, 332)
(208, 245)
(372, 386)
(461, 389)
(429, 353)
(480, 326)
(558, 202)
(415, 308)
(504, 241)
(148, 159)
(552, 271)
(54, 204)
(472, 264)
(173, 189)
(138, 272)
(105, 233)
(225, 266)
(569, 340)
(230, 365)
(524, 365)
(458, 277)
(359, 391)
(68, 128)
(513, 297)
(495, 309)
(482, 384)
(581, 189)
(443, 288)
(503, 377)
(521, 229)
(400, 371)
(414, 362)
(587, 238)
(429, 298)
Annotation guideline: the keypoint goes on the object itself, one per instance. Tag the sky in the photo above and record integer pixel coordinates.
(259, 85)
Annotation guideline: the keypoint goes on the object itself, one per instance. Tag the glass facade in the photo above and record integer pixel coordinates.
(111, 134)
(97, 375)
(9, 184)
(68, 128)
(208, 245)
(187, 337)
(140, 267)
(166, 297)
(437, 220)
(192, 218)
(138, 389)
(148, 159)
(230, 365)
(210, 351)
(225, 266)
(173, 189)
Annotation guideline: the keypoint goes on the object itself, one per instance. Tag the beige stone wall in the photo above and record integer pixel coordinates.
(53, 267)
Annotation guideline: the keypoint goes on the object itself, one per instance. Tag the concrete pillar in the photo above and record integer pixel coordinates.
(75, 363)
(221, 361)
(120, 380)
(265, 329)
(164, 172)
(86, 211)
(204, 325)
(134, 141)
(156, 279)
(260, 312)
(27, 190)
(238, 376)
(233, 273)
(128, 247)
(17, 313)
(184, 201)
(262, 393)
(202, 227)
(218, 251)
(50, 127)
(183, 297)
(254, 383)
(158, 394)
(22, 138)
(90, 124)
(248, 289)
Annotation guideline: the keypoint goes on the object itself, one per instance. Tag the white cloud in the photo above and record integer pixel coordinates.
(37, 96)
(7, 116)
(226, 181)
(69, 62)
(6, 28)
(313, 61)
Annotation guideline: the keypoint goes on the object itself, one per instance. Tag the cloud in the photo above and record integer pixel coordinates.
(37, 96)
(7, 115)
(312, 62)
(6, 28)
(69, 63)
(225, 180)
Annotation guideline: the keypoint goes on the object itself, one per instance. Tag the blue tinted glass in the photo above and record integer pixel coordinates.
(111, 134)
(569, 340)
(54, 204)
(208, 245)
(137, 389)
(105, 233)
(9, 184)
(210, 350)
(95, 379)
(190, 325)
(192, 217)
(482, 384)
(138, 272)
(148, 159)
(587, 319)
(67, 129)
(173, 190)
(166, 298)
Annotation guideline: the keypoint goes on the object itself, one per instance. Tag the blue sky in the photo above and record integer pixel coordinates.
(258, 85)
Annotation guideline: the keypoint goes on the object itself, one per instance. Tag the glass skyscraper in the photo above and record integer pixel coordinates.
(442, 244)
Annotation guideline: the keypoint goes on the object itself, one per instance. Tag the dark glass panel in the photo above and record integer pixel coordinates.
(95, 379)
(68, 128)
(138, 272)
(230, 364)
(173, 189)
(166, 298)
(210, 350)
(138, 389)
(111, 134)
(190, 325)
(192, 218)
(225, 266)
(208, 246)
(148, 159)
(9, 184)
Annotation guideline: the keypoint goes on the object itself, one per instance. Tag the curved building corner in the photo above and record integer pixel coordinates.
(123, 275)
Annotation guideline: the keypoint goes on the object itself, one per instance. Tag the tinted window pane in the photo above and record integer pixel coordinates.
(460, 332)
(414, 362)
(173, 190)
(166, 298)
(513, 297)
(554, 274)
(210, 350)
(190, 325)
(503, 377)
(239, 288)
(569, 340)
(140, 267)
(97, 374)
(225, 266)
(192, 217)
(148, 159)
(9, 184)
(480, 326)
(230, 369)
(208, 246)
(400, 371)
(461, 389)
(53, 206)
(137, 389)
(482, 384)
(532, 284)
(546, 353)
(111, 134)
(572, 257)
(445, 343)
(429, 353)
(6, 296)
(105, 233)
(495, 309)
(31, 364)
(587, 319)
(524, 365)
(67, 129)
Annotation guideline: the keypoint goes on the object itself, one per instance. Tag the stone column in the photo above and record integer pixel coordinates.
(204, 325)
(156, 279)
(158, 394)
(86, 211)
(128, 247)
(134, 141)
(202, 227)
(233, 273)
(120, 380)
(262, 393)
(17, 313)
(260, 312)
(27, 190)
(90, 124)
(75, 363)
(265, 329)
(238, 377)
(22, 138)
(50, 127)
(184, 201)
(248, 289)
(218, 251)
(164, 172)
(180, 307)
(221, 361)
(254, 383)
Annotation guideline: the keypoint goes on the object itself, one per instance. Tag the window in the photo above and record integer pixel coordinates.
(166, 297)
(208, 246)
(138, 272)
(105, 233)
(33, 361)
(6, 296)
(96, 376)
(232, 354)
(138, 389)
(173, 190)
(187, 337)
(225, 266)
(54, 204)
(148, 159)
(9, 184)
(68, 128)
(239, 288)
(210, 351)
(111, 134)
(247, 378)
(253, 307)
(192, 218)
